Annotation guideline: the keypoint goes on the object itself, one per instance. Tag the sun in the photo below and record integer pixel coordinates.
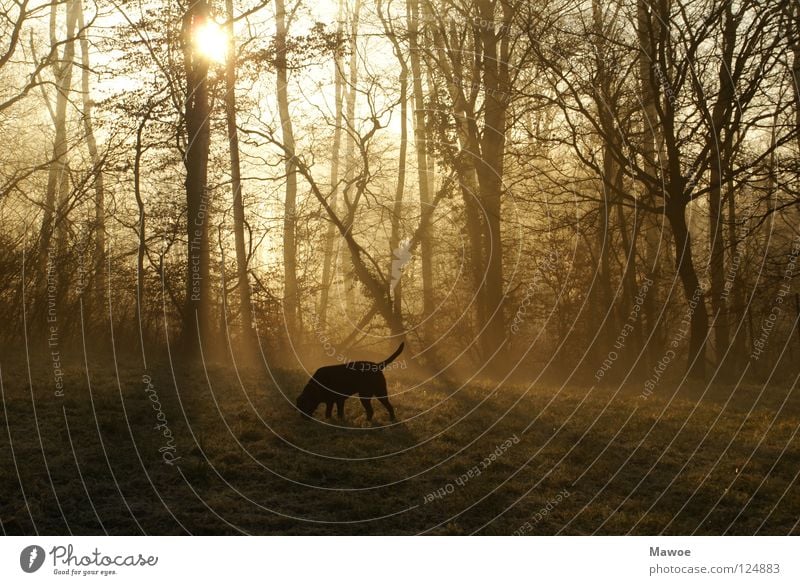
(211, 41)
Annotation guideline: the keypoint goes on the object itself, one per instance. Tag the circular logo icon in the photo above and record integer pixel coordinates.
(31, 558)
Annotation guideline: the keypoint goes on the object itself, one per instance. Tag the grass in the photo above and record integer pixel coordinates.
(687, 460)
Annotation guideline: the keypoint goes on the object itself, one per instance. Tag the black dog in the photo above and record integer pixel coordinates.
(334, 384)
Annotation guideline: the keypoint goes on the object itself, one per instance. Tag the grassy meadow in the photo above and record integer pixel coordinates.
(223, 451)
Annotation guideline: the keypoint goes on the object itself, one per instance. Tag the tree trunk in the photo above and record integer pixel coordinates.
(793, 14)
(141, 224)
(290, 291)
(629, 273)
(696, 311)
(717, 262)
(650, 148)
(197, 307)
(245, 304)
(350, 145)
(330, 233)
(475, 260)
(424, 161)
(734, 282)
(720, 168)
(497, 88)
(100, 281)
(399, 254)
(57, 175)
(601, 308)
(479, 165)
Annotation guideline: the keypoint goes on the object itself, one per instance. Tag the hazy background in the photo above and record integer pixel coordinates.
(580, 216)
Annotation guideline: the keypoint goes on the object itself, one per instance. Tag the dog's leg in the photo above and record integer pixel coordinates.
(365, 402)
(385, 401)
(340, 408)
(328, 409)
(383, 397)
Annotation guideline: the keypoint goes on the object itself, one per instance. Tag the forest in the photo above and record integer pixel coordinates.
(581, 217)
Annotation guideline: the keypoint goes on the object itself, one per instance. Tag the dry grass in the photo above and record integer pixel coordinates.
(685, 461)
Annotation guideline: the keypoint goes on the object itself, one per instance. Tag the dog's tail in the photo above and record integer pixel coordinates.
(392, 357)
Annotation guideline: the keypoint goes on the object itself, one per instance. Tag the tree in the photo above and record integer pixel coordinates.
(476, 62)
(58, 177)
(674, 171)
(243, 284)
(330, 233)
(99, 227)
(291, 291)
(197, 305)
(398, 253)
(422, 150)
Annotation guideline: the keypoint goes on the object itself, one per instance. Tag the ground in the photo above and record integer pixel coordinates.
(124, 452)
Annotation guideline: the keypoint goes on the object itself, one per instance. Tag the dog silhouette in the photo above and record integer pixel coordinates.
(335, 384)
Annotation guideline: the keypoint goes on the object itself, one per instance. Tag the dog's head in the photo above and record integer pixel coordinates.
(306, 402)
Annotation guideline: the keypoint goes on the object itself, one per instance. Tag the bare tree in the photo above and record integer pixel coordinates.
(243, 285)
(476, 61)
(99, 227)
(196, 117)
(422, 150)
(397, 252)
(58, 176)
(327, 260)
(290, 295)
